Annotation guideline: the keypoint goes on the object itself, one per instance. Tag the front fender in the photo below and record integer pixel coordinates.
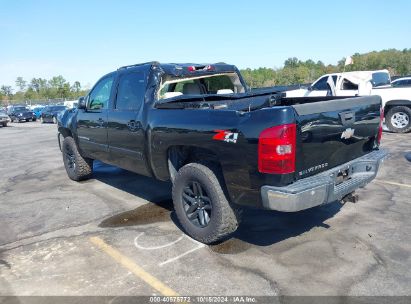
(66, 123)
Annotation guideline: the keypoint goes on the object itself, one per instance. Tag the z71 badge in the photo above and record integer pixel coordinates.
(227, 136)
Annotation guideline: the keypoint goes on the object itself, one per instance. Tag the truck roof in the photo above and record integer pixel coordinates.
(356, 73)
(180, 69)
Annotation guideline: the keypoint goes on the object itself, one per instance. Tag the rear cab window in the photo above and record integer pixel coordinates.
(226, 83)
(380, 79)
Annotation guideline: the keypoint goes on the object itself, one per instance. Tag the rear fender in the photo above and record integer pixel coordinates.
(392, 103)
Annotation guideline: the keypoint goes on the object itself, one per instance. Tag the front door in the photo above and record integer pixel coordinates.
(92, 121)
(125, 131)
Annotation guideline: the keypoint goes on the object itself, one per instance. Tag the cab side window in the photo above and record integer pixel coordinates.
(131, 91)
(100, 95)
(348, 85)
(321, 85)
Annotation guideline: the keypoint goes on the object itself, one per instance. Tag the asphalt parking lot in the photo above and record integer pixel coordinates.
(116, 234)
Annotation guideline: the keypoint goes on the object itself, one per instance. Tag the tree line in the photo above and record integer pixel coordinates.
(42, 89)
(294, 71)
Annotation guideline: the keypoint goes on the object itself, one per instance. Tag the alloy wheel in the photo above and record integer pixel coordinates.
(70, 158)
(400, 120)
(197, 204)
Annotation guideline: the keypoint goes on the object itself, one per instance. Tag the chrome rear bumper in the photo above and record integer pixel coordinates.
(322, 188)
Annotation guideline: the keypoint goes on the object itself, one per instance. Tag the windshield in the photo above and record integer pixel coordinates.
(380, 79)
(20, 109)
(56, 108)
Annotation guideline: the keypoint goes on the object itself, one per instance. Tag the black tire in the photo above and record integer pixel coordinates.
(34, 119)
(223, 218)
(77, 167)
(4, 124)
(398, 119)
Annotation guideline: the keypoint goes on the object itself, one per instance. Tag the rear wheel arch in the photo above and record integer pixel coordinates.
(397, 102)
(178, 156)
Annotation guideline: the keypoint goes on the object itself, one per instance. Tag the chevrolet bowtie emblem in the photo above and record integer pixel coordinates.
(348, 133)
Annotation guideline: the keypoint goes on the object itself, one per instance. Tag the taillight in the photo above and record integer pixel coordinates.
(276, 149)
(380, 127)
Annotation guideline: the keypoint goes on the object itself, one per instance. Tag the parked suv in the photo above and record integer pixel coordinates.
(49, 113)
(21, 113)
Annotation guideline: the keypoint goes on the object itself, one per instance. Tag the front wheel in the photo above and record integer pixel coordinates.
(398, 119)
(201, 205)
(77, 167)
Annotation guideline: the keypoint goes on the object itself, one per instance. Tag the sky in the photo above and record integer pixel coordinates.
(83, 40)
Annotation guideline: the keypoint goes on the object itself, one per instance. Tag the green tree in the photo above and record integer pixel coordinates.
(76, 87)
(21, 83)
(6, 91)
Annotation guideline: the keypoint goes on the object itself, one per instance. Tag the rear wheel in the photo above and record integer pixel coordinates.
(77, 167)
(398, 119)
(201, 205)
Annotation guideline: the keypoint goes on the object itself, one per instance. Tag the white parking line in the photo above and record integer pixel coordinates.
(199, 246)
(155, 247)
(181, 255)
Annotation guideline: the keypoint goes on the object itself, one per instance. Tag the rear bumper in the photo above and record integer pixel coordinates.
(322, 188)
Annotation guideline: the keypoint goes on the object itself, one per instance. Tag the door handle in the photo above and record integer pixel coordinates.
(347, 118)
(132, 125)
(100, 121)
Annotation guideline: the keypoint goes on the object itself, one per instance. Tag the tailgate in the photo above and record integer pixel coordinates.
(334, 132)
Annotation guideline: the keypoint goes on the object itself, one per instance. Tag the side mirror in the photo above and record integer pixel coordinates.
(81, 103)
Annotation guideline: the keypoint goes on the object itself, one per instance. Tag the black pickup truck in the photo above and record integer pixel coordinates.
(222, 145)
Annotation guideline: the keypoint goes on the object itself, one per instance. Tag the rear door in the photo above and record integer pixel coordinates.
(92, 121)
(335, 131)
(346, 88)
(125, 130)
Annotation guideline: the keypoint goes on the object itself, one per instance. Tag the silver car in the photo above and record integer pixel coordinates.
(4, 118)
